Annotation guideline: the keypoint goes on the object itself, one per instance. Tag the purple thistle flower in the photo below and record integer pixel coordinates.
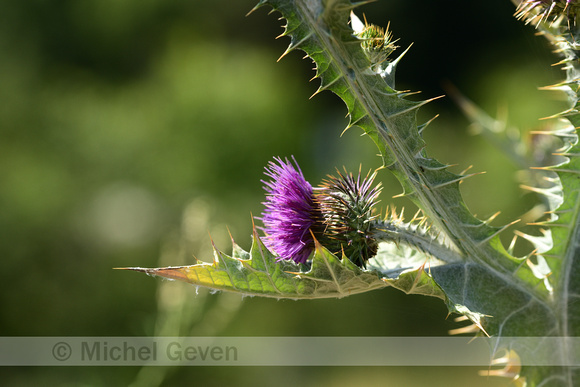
(290, 212)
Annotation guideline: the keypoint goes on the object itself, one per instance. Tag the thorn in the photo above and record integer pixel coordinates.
(216, 252)
(435, 98)
(499, 231)
(323, 87)
(512, 245)
(560, 133)
(293, 46)
(345, 129)
(259, 5)
(537, 190)
(555, 169)
(558, 87)
(458, 179)
(566, 154)
(288, 50)
(230, 233)
(171, 272)
(416, 106)
(465, 170)
(416, 216)
(398, 59)
(472, 328)
(511, 369)
(548, 224)
(353, 123)
(491, 218)
(401, 216)
(423, 222)
(285, 33)
(252, 218)
(404, 93)
(561, 114)
(424, 126)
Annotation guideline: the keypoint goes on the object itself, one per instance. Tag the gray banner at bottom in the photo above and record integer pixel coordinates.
(285, 351)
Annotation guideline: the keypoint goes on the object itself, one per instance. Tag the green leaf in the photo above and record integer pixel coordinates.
(260, 273)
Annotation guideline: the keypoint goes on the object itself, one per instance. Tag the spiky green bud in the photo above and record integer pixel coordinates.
(376, 42)
(346, 204)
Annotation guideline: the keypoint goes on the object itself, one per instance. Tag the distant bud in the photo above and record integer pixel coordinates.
(550, 11)
(376, 42)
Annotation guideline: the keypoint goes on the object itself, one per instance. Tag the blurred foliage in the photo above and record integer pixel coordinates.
(132, 129)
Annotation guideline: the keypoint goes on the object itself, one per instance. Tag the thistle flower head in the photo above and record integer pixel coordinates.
(346, 204)
(290, 211)
(339, 213)
(538, 11)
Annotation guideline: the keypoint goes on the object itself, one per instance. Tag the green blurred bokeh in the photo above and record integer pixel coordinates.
(132, 130)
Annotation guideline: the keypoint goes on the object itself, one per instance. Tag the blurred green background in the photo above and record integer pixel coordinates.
(132, 130)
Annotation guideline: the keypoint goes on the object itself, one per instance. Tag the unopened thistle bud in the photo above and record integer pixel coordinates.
(346, 204)
(376, 42)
